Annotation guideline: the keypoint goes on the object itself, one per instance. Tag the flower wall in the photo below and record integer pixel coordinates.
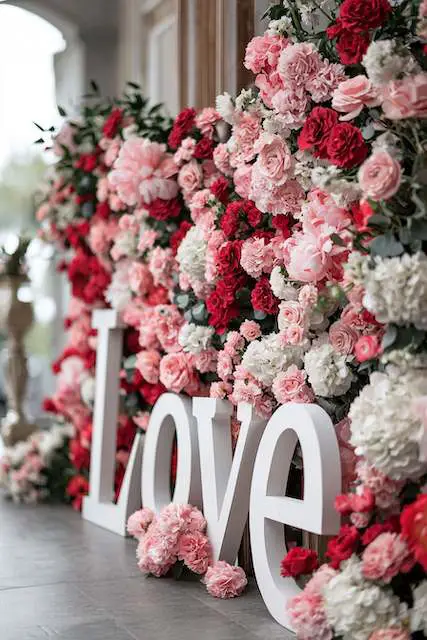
(273, 250)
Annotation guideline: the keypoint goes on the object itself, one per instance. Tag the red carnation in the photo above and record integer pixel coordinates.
(164, 209)
(281, 223)
(178, 236)
(112, 123)
(263, 298)
(390, 526)
(228, 286)
(351, 47)
(361, 212)
(79, 455)
(413, 520)
(362, 15)
(253, 214)
(230, 221)
(229, 257)
(103, 210)
(132, 341)
(315, 133)
(204, 149)
(299, 561)
(346, 147)
(343, 545)
(221, 312)
(157, 295)
(151, 392)
(220, 189)
(183, 124)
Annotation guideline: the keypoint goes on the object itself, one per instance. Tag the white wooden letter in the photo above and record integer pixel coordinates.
(226, 478)
(171, 414)
(98, 506)
(270, 509)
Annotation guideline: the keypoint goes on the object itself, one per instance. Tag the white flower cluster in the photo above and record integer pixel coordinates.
(327, 370)
(384, 428)
(355, 607)
(191, 255)
(396, 290)
(266, 358)
(281, 287)
(387, 60)
(87, 390)
(419, 610)
(119, 293)
(194, 338)
(225, 107)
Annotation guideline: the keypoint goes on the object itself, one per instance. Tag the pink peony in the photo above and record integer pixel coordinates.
(380, 176)
(392, 633)
(299, 63)
(176, 371)
(342, 337)
(353, 95)
(224, 581)
(148, 365)
(386, 557)
(196, 551)
(406, 98)
(291, 386)
(143, 172)
(139, 522)
(250, 330)
(274, 162)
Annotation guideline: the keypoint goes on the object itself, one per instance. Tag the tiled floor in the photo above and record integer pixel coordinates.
(61, 577)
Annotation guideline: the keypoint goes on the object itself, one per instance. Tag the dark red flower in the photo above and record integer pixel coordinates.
(343, 545)
(132, 341)
(204, 149)
(221, 189)
(228, 261)
(157, 295)
(346, 147)
(126, 434)
(413, 520)
(49, 406)
(281, 223)
(87, 162)
(178, 236)
(351, 47)
(263, 298)
(182, 125)
(164, 209)
(230, 221)
(79, 455)
(77, 488)
(112, 123)
(103, 210)
(253, 214)
(221, 311)
(151, 392)
(377, 529)
(362, 15)
(299, 561)
(228, 286)
(315, 133)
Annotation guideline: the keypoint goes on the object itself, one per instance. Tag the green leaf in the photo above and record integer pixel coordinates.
(199, 312)
(336, 239)
(130, 362)
(260, 315)
(419, 229)
(389, 337)
(182, 300)
(379, 220)
(94, 86)
(62, 111)
(386, 246)
(134, 85)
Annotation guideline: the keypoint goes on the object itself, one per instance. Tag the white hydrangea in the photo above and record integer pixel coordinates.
(119, 293)
(87, 390)
(281, 287)
(267, 357)
(387, 60)
(225, 106)
(192, 255)
(194, 338)
(396, 290)
(419, 610)
(384, 428)
(327, 370)
(355, 607)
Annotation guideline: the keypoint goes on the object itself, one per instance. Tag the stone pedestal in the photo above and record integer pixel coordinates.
(16, 318)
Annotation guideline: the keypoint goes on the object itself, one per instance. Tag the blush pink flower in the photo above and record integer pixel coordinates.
(293, 334)
(342, 337)
(386, 557)
(143, 172)
(156, 553)
(274, 162)
(257, 257)
(224, 581)
(250, 330)
(284, 199)
(140, 278)
(353, 95)
(291, 312)
(196, 551)
(406, 98)
(168, 324)
(190, 178)
(139, 522)
(101, 235)
(384, 488)
(291, 386)
(380, 176)
(148, 364)
(206, 361)
(176, 372)
(367, 348)
(142, 420)
(245, 134)
(221, 158)
(299, 63)
(326, 81)
(206, 119)
(220, 390)
(162, 264)
(147, 240)
(185, 151)
(292, 104)
(242, 180)
(224, 365)
(392, 633)
(263, 52)
(308, 617)
(234, 344)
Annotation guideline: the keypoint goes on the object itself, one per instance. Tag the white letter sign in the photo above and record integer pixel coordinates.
(271, 509)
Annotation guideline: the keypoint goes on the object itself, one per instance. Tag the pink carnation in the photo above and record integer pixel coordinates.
(140, 279)
(185, 151)
(380, 176)
(242, 180)
(326, 81)
(384, 488)
(139, 522)
(353, 95)
(156, 553)
(148, 364)
(245, 134)
(291, 386)
(196, 551)
(176, 371)
(308, 617)
(392, 633)
(286, 198)
(162, 265)
(250, 330)
(263, 52)
(220, 390)
(385, 557)
(168, 324)
(206, 119)
(299, 63)
(221, 158)
(224, 581)
(257, 257)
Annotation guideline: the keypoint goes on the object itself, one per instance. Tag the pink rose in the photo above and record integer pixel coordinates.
(148, 364)
(274, 161)
(176, 372)
(224, 581)
(392, 633)
(291, 313)
(293, 334)
(290, 386)
(367, 348)
(190, 178)
(139, 522)
(380, 176)
(299, 63)
(353, 95)
(196, 551)
(250, 330)
(342, 337)
(386, 557)
(406, 98)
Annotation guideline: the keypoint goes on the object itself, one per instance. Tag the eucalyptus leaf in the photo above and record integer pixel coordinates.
(389, 337)
(386, 246)
(199, 312)
(130, 362)
(260, 315)
(182, 300)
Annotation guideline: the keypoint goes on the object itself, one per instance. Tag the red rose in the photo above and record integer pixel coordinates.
(164, 209)
(377, 529)
(112, 123)
(351, 47)
(178, 236)
(262, 297)
(299, 561)
(413, 521)
(182, 125)
(346, 147)
(314, 135)
(343, 545)
(229, 257)
(220, 189)
(362, 15)
(204, 149)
